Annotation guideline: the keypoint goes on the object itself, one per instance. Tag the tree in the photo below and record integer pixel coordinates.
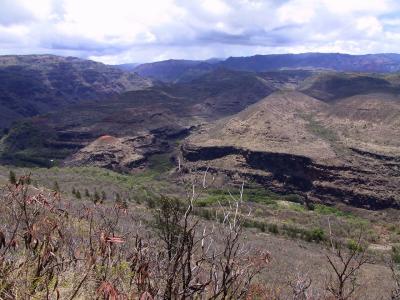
(117, 197)
(12, 177)
(96, 197)
(56, 187)
(345, 264)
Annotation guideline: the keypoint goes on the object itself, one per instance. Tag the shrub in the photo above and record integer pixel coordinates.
(56, 187)
(316, 235)
(95, 255)
(273, 228)
(396, 254)
(354, 246)
(12, 177)
(96, 197)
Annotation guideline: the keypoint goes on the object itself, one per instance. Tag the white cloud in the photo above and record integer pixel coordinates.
(137, 30)
(217, 7)
(369, 25)
(297, 11)
(359, 6)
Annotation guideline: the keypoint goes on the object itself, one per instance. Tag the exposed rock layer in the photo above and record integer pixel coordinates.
(293, 143)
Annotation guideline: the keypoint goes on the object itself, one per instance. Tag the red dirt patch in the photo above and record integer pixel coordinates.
(106, 139)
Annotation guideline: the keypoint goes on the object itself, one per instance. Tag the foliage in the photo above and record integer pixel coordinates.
(12, 177)
(50, 250)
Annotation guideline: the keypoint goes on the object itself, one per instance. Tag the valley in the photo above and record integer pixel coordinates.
(309, 144)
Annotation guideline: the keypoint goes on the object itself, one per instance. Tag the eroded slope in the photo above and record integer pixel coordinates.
(342, 151)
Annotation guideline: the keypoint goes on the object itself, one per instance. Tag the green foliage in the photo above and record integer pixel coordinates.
(319, 130)
(293, 198)
(273, 228)
(310, 205)
(27, 144)
(296, 207)
(56, 187)
(117, 197)
(87, 194)
(78, 194)
(354, 246)
(12, 178)
(396, 254)
(316, 235)
(330, 210)
(160, 163)
(256, 195)
(96, 197)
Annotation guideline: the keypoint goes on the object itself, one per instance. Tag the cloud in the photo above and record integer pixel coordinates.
(136, 31)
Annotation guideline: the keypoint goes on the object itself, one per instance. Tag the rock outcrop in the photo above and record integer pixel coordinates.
(120, 154)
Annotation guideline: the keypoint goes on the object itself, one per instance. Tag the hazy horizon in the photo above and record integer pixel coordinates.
(206, 59)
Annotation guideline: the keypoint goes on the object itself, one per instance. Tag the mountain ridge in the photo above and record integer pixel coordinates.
(176, 70)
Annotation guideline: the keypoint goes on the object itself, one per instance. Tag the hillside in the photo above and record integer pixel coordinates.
(167, 111)
(290, 142)
(36, 84)
(321, 134)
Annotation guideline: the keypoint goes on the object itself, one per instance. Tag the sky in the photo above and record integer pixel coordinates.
(137, 31)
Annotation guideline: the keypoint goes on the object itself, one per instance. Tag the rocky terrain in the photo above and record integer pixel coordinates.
(119, 154)
(36, 84)
(167, 111)
(347, 150)
(326, 136)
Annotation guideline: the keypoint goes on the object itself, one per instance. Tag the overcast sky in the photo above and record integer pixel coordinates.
(121, 31)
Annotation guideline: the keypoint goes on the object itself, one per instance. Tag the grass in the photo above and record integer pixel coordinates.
(319, 130)
(331, 210)
(252, 194)
(271, 212)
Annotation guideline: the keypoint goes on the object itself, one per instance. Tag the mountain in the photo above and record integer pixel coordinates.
(346, 150)
(175, 70)
(127, 67)
(185, 70)
(325, 135)
(330, 86)
(379, 63)
(166, 111)
(35, 84)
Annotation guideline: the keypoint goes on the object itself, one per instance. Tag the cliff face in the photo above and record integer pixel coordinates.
(290, 142)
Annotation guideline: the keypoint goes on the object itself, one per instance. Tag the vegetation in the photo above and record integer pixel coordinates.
(96, 256)
(132, 219)
(12, 178)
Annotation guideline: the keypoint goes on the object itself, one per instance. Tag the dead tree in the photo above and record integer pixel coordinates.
(345, 262)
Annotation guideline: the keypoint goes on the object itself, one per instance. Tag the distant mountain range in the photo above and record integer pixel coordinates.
(36, 84)
(184, 70)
